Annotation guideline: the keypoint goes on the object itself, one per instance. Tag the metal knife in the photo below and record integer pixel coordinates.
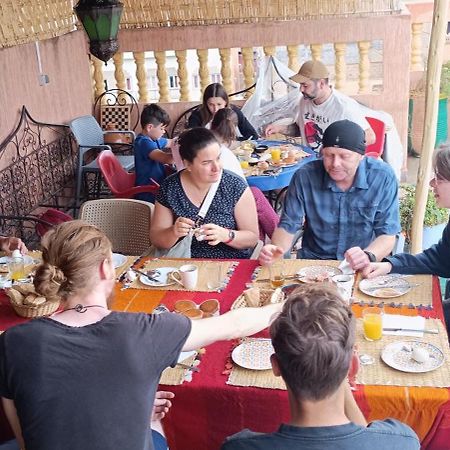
(430, 331)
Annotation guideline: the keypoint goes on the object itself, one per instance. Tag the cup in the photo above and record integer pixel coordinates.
(213, 273)
(186, 275)
(344, 284)
(243, 161)
(372, 323)
(276, 274)
(275, 152)
(16, 268)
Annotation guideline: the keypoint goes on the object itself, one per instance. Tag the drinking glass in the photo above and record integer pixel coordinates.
(275, 153)
(214, 276)
(373, 323)
(16, 268)
(276, 274)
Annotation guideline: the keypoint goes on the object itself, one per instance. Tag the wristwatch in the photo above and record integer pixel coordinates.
(231, 236)
(371, 256)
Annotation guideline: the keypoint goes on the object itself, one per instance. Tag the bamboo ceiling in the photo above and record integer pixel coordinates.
(23, 21)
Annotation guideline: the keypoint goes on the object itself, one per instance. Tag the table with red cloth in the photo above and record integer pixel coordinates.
(207, 409)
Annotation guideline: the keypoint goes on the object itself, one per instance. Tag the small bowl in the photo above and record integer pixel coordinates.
(183, 305)
(193, 313)
(261, 148)
(210, 307)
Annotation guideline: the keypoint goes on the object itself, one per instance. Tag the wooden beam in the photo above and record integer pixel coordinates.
(435, 59)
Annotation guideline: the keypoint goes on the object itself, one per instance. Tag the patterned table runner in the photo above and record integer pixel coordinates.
(227, 268)
(418, 297)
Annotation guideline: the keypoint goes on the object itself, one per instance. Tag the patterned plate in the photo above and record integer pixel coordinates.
(317, 274)
(160, 279)
(385, 286)
(253, 354)
(398, 355)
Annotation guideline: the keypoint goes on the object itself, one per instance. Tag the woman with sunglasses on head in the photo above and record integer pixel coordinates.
(215, 98)
(436, 259)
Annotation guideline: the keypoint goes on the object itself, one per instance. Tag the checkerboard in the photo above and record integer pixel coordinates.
(119, 115)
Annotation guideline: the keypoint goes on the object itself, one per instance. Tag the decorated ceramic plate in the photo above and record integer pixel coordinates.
(399, 356)
(27, 260)
(385, 286)
(253, 354)
(160, 278)
(318, 274)
(118, 260)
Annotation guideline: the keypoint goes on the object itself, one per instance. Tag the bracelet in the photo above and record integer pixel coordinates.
(371, 256)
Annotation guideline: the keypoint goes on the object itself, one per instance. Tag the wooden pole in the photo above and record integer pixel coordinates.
(435, 59)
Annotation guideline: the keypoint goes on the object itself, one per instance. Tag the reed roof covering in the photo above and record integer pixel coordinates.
(23, 21)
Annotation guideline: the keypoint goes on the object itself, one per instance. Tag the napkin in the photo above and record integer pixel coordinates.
(408, 322)
(345, 268)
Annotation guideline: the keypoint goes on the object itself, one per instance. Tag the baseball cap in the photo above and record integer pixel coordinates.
(311, 70)
(345, 134)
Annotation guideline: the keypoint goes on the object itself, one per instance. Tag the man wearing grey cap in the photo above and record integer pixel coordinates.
(347, 202)
(320, 106)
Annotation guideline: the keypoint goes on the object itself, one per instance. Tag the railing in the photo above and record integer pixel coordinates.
(37, 164)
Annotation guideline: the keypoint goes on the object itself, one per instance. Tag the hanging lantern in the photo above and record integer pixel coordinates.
(100, 19)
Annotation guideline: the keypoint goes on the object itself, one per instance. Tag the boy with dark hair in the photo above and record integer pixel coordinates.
(313, 338)
(149, 156)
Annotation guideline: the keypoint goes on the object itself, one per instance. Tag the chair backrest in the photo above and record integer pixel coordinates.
(118, 107)
(376, 149)
(116, 177)
(87, 131)
(125, 221)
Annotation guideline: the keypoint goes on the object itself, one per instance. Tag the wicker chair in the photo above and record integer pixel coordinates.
(126, 222)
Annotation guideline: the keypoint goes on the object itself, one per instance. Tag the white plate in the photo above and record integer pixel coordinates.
(118, 260)
(27, 260)
(253, 354)
(162, 278)
(314, 274)
(398, 355)
(386, 286)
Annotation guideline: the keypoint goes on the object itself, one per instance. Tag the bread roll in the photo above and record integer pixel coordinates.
(28, 300)
(37, 301)
(15, 296)
(253, 297)
(25, 288)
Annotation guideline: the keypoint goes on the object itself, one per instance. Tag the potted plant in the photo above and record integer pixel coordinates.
(434, 221)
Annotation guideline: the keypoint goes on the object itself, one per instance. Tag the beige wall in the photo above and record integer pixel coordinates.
(69, 93)
(394, 30)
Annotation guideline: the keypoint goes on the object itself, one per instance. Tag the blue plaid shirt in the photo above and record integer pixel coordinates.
(338, 220)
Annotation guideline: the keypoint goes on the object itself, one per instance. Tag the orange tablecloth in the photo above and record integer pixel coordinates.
(207, 410)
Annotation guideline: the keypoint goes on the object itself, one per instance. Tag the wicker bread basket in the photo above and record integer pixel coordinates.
(35, 311)
(264, 298)
(32, 311)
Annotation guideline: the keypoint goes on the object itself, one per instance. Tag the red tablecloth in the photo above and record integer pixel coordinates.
(206, 410)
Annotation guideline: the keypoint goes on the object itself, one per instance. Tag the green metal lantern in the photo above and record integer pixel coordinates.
(100, 19)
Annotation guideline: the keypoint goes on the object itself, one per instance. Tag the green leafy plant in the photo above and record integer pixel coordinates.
(433, 214)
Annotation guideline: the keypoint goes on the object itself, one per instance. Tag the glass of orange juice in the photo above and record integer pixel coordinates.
(275, 152)
(243, 161)
(373, 323)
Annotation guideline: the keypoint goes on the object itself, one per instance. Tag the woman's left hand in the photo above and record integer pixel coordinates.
(214, 234)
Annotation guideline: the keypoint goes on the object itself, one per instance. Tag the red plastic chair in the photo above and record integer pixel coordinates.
(376, 149)
(119, 181)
